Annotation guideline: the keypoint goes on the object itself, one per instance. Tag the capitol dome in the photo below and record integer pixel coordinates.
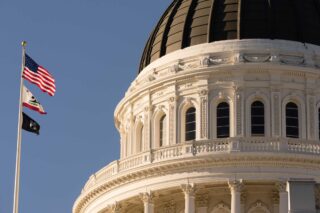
(223, 117)
(190, 22)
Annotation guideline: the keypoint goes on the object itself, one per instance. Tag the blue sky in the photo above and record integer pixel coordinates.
(93, 48)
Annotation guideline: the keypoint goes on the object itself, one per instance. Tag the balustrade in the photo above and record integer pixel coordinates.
(205, 147)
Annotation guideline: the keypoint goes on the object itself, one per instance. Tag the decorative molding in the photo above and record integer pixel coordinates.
(292, 59)
(202, 200)
(146, 197)
(257, 57)
(188, 189)
(221, 206)
(170, 207)
(235, 185)
(281, 186)
(258, 206)
(228, 161)
(115, 208)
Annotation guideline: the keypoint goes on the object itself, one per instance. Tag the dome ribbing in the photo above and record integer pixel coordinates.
(190, 22)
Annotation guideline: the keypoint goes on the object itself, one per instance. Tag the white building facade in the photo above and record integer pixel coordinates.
(216, 125)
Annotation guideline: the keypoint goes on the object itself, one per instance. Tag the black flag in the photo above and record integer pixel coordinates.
(30, 125)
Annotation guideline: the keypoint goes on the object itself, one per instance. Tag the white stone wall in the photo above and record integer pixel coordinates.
(249, 73)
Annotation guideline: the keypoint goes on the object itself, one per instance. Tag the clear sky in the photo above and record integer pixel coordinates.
(93, 48)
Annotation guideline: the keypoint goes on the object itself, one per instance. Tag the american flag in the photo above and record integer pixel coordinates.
(39, 76)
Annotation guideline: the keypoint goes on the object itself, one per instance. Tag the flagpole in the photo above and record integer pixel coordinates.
(18, 155)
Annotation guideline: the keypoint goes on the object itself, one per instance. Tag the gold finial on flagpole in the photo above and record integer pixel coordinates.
(24, 43)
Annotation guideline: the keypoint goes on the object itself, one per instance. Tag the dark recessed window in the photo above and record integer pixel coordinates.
(191, 124)
(162, 130)
(223, 120)
(292, 120)
(257, 118)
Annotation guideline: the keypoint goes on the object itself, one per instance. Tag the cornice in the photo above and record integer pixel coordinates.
(192, 164)
(217, 57)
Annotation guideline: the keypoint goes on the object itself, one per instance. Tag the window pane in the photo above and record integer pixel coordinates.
(190, 124)
(163, 122)
(257, 118)
(292, 120)
(223, 120)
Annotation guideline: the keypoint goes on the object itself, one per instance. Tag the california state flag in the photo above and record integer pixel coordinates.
(31, 102)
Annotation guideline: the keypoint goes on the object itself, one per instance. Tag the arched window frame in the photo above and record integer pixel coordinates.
(156, 127)
(301, 115)
(184, 106)
(213, 115)
(139, 136)
(267, 113)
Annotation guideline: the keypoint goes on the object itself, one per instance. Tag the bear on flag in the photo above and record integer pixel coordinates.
(31, 102)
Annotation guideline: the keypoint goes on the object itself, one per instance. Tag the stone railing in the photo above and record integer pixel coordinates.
(202, 148)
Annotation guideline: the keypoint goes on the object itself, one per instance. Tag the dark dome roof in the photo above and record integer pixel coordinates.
(190, 22)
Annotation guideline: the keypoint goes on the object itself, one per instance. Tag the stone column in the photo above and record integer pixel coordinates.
(235, 188)
(115, 208)
(147, 200)
(283, 197)
(189, 197)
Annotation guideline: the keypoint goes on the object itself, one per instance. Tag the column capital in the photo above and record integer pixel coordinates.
(281, 186)
(188, 189)
(146, 197)
(115, 208)
(236, 185)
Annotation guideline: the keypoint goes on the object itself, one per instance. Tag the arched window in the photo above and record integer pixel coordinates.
(223, 120)
(292, 120)
(191, 124)
(257, 118)
(163, 132)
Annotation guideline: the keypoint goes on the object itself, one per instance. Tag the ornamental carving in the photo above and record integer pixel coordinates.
(236, 186)
(292, 60)
(146, 197)
(258, 206)
(202, 200)
(257, 58)
(170, 207)
(115, 208)
(189, 189)
(221, 207)
(281, 186)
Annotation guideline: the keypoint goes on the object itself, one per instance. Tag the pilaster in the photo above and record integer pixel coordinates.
(172, 119)
(275, 113)
(239, 112)
(204, 113)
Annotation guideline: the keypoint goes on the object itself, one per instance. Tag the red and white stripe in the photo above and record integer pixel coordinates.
(43, 79)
